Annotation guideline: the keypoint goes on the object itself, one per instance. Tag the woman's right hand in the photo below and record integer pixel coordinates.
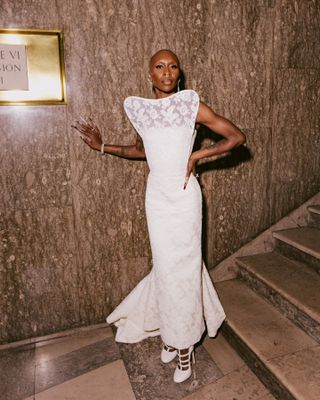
(89, 133)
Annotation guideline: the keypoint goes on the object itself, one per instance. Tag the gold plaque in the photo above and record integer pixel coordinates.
(31, 67)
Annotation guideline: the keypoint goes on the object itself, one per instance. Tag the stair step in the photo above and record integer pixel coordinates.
(306, 239)
(289, 285)
(285, 358)
(301, 243)
(314, 216)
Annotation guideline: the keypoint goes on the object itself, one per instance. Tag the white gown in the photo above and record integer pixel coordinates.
(175, 298)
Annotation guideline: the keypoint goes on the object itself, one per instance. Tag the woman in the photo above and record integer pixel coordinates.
(175, 298)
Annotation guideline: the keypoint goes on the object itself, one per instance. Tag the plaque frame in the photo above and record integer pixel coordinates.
(45, 64)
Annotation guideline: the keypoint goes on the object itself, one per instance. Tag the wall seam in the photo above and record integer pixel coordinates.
(271, 99)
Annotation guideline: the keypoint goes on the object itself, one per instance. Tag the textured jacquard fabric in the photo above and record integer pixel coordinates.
(177, 296)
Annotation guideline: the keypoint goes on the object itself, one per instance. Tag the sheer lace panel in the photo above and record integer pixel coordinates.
(179, 109)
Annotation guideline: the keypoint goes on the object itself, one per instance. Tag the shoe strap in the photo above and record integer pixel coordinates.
(170, 349)
(185, 359)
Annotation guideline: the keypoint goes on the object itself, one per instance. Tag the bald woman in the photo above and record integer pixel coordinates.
(177, 299)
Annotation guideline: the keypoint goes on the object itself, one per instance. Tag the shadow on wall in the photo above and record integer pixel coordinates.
(236, 157)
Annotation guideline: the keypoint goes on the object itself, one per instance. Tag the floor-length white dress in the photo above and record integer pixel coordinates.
(175, 298)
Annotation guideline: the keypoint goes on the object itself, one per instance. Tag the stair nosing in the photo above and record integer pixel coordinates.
(315, 209)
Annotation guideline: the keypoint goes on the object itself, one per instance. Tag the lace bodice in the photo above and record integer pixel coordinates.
(176, 110)
(166, 127)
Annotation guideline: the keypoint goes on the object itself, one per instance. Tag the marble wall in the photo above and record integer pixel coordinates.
(72, 226)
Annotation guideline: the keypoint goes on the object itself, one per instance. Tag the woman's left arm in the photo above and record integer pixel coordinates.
(232, 136)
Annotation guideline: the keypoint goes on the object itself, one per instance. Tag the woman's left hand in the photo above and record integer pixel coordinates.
(191, 169)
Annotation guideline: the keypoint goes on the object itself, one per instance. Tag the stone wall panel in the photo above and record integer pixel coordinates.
(296, 34)
(295, 168)
(35, 158)
(296, 98)
(38, 273)
(239, 40)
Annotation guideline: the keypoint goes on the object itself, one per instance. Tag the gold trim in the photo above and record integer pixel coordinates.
(59, 63)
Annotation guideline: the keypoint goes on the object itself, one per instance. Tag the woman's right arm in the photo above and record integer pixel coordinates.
(91, 135)
(131, 151)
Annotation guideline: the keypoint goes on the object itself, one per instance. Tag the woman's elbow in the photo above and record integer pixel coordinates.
(239, 139)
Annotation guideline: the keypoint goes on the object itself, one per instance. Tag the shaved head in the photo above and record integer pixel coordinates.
(164, 73)
(163, 52)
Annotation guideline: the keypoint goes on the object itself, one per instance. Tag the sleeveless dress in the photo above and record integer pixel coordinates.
(175, 298)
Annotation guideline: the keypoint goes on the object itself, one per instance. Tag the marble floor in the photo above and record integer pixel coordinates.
(87, 364)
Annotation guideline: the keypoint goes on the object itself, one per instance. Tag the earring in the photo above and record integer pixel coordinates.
(150, 81)
(178, 86)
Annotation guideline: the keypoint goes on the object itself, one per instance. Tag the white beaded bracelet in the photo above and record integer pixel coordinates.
(102, 148)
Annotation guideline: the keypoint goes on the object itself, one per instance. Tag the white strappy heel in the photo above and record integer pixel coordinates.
(168, 353)
(183, 370)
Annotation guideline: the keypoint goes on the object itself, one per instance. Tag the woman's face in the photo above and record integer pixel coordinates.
(164, 73)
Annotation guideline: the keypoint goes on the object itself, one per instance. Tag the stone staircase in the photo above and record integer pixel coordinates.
(273, 312)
